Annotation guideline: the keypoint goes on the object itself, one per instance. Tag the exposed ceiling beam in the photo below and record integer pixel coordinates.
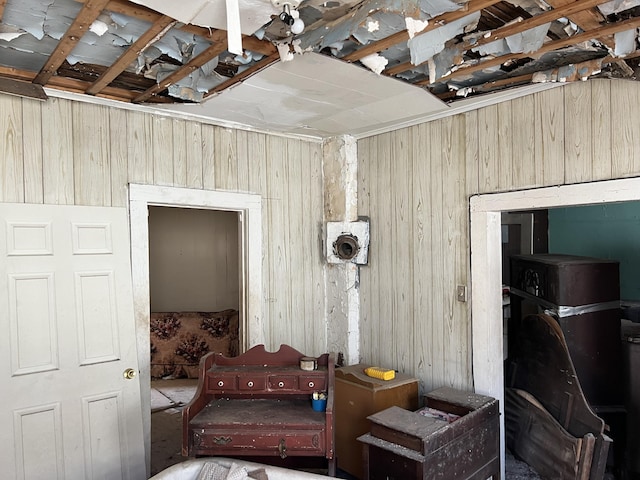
(79, 86)
(403, 36)
(22, 89)
(73, 85)
(635, 54)
(89, 12)
(512, 29)
(490, 86)
(265, 62)
(130, 9)
(537, 20)
(548, 47)
(396, 69)
(506, 82)
(210, 53)
(15, 73)
(157, 31)
(249, 42)
(586, 20)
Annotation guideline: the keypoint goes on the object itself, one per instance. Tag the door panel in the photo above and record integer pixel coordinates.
(38, 444)
(32, 323)
(97, 317)
(67, 312)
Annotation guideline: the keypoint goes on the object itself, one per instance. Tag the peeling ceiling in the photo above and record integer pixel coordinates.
(355, 65)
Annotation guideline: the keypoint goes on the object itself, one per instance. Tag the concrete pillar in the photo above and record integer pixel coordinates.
(340, 170)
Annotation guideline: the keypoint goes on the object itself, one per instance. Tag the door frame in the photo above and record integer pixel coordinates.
(486, 272)
(249, 209)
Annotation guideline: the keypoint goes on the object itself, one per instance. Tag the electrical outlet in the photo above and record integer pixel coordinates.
(461, 293)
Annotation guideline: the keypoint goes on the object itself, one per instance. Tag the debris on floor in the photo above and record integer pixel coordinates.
(167, 398)
(518, 470)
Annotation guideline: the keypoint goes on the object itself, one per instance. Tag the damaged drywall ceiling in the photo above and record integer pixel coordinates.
(43, 26)
(213, 13)
(197, 51)
(424, 47)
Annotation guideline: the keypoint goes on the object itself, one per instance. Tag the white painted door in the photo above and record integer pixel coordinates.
(66, 338)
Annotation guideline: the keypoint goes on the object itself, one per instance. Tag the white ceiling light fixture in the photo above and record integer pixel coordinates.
(290, 15)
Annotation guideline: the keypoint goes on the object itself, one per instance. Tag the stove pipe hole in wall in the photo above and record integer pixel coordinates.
(347, 242)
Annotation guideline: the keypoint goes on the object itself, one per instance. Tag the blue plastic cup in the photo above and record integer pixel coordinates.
(319, 405)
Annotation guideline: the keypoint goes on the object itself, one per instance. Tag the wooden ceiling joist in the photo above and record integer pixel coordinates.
(498, 20)
(586, 19)
(512, 29)
(490, 86)
(537, 20)
(69, 84)
(157, 31)
(403, 36)
(502, 13)
(249, 42)
(265, 62)
(22, 89)
(2, 4)
(139, 12)
(210, 53)
(89, 12)
(548, 47)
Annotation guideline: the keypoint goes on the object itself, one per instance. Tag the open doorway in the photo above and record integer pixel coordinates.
(194, 307)
(194, 288)
(522, 233)
(248, 213)
(486, 271)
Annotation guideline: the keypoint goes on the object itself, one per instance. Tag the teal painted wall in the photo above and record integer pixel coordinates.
(609, 231)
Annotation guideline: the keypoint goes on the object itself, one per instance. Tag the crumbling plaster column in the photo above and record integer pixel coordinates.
(340, 173)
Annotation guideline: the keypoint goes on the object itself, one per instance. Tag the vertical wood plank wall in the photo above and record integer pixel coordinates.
(65, 152)
(415, 185)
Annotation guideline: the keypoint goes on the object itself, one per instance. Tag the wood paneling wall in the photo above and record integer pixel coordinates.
(65, 152)
(414, 185)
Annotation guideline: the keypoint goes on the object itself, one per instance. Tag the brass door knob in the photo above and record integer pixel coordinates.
(129, 373)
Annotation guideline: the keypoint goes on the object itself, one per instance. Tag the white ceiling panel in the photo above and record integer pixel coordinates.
(319, 96)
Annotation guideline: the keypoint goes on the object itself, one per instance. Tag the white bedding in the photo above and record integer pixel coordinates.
(191, 470)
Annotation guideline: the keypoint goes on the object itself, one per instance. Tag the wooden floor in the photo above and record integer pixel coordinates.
(166, 440)
(166, 430)
(167, 398)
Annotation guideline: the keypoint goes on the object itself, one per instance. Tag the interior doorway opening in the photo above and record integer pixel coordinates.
(486, 266)
(194, 288)
(194, 298)
(248, 211)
